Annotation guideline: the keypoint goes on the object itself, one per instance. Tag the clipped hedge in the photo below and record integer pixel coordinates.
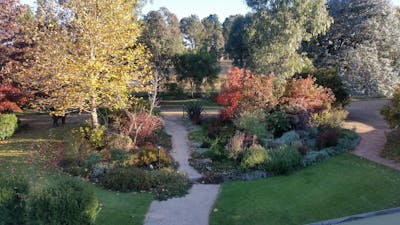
(65, 201)
(8, 125)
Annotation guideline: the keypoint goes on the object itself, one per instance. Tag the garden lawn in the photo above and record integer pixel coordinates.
(341, 186)
(18, 154)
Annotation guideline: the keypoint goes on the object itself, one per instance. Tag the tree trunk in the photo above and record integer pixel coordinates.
(95, 119)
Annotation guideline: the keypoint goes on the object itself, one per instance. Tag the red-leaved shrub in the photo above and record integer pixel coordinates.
(232, 91)
(140, 126)
(11, 98)
(304, 95)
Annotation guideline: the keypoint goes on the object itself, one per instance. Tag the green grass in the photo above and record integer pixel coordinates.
(342, 186)
(19, 154)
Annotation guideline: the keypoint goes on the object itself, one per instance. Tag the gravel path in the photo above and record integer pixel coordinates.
(194, 208)
(365, 118)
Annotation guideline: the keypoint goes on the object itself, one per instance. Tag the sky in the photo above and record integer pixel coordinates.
(202, 8)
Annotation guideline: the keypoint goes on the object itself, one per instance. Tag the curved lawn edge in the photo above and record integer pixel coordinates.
(342, 186)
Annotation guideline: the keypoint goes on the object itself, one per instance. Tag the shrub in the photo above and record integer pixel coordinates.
(95, 136)
(236, 146)
(169, 184)
(149, 155)
(215, 151)
(288, 138)
(252, 123)
(127, 179)
(254, 156)
(92, 159)
(8, 125)
(392, 146)
(13, 192)
(63, 201)
(278, 122)
(283, 160)
(231, 92)
(139, 126)
(118, 156)
(119, 141)
(329, 77)
(328, 137)
(329, 118)
(305, 95)
(193, 111)
(391, 111)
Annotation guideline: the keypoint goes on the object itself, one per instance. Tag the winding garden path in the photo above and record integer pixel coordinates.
(196, 206)
(365, 118)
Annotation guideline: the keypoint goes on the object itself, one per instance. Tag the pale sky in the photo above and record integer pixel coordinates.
(202, 8)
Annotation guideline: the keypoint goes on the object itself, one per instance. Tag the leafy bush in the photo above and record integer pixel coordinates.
(140, 126)
(95, 136)
(119, 141)
(92, 159)
(278, 122)
(329, 77)
(118, 156)
(127, 179)
(13, 192)
(63, 201)
(169, 184)
(305, 95)
(193, 111)
(283, 160)
(216, 149)
(392, 146)
(327, 137)
(329, 118)
(391, 111)
(236, 146)
(252, 123)
(288, 138)
(254, 156)
(8, 125)
(149, 155)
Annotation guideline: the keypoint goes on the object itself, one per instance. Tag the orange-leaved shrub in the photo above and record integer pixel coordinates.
(244, 91)
(304, 95)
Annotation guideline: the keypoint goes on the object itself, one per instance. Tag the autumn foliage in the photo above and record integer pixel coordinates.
(11, 98)
(244, 91)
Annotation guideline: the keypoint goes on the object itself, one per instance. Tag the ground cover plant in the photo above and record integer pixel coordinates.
(332, 189)
(270, 126)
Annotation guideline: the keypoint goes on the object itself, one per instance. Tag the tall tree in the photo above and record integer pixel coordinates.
(237, 44)
(89, 54)
(213, 40)
(363, 44)
(193, 32)
(163, 37)
(197, 68)
(278, 28)
(15, 48)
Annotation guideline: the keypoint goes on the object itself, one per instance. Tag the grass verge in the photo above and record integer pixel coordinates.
(342, 186)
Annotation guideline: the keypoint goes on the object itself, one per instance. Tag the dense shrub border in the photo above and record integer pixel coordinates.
(62, 200)
(285, 155)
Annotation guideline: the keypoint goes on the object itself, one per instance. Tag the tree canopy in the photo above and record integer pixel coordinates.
(163, 37)
(277, 30)
(15, 50)
(89, 55)
(363, 45)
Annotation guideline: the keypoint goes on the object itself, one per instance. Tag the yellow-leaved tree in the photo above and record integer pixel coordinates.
(88, 55)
